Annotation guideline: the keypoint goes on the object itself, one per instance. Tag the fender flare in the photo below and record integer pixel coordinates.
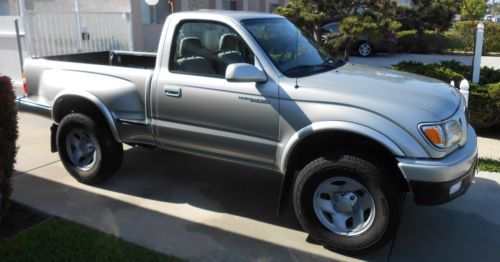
(335, 126)
(110, 119)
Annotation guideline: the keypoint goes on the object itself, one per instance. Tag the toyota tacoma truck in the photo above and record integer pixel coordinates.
(349, 140)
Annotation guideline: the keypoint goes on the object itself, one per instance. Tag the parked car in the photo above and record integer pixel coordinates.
(489, 17)
(364, 45)
(349, 140)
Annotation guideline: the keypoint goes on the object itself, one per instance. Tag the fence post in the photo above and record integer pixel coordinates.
(477, 53)
(452, 83)
(19, 47)
(79, 25)
(464, 89)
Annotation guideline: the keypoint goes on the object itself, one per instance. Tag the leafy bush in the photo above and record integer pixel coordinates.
(8, 137)
(437, 71)
(484, 105)
(461, 36)
(411, 41)
(338, 45)
(484, 98)
(449, 70)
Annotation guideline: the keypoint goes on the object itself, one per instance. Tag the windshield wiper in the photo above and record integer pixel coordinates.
(328, 64)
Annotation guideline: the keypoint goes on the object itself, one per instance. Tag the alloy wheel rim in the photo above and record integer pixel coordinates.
(344, 206)
(365, 49)
(82, 149)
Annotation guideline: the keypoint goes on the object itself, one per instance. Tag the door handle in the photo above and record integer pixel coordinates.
(172, 91)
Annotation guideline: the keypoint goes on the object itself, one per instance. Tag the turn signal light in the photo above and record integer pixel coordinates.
(434, 134)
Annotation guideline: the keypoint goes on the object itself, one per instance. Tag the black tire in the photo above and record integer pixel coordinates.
(387, 195)
(108, 152)
(365, 52)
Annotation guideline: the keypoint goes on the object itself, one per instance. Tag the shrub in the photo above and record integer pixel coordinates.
(338, 45)
(449, 70)
(411, 41)
(437, 71)
(461, 36)
(8, 137)
(484, 105)
(484, 98)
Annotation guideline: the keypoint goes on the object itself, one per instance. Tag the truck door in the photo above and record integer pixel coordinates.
(196, 109)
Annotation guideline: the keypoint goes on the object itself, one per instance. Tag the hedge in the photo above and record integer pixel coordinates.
(411, 41)
(484, 98)
(484, 105)
(459, 38)
(8, 137)
(437, 71)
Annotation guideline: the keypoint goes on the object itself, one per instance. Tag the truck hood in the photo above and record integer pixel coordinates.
(394, 94)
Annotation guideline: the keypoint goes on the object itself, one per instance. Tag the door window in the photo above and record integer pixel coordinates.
(207, 48)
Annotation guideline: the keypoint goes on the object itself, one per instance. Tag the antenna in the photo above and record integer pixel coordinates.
(296, 56)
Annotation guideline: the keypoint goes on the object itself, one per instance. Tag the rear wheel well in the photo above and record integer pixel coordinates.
(327, 142)
(74, 104)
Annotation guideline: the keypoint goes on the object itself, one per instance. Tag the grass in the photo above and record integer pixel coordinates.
(61, 240)
(488, 164)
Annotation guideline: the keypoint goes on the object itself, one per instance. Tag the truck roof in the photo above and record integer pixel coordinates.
(212, 13)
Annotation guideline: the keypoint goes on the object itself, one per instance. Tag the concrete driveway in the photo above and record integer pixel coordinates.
(206, 210)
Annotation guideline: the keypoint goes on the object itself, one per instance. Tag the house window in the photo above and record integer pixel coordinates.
(155, 14)
(229, 5)
(273, 7)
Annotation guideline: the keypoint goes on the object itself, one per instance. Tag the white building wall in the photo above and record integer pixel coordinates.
(85, 5)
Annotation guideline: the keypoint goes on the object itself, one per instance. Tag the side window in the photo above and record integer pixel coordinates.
(207, 48)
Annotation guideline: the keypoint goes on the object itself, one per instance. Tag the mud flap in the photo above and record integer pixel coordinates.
(53, 133)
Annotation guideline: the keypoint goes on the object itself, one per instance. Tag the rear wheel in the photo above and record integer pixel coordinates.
(365, 49)
(87, 149)
(346, 203)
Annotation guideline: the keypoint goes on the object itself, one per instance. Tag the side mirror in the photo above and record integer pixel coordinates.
(241, 72)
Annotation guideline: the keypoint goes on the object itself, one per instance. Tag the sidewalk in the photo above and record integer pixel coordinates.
(205, 210)
(489, 147)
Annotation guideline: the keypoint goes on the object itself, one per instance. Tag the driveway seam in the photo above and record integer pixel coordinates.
(35, 168)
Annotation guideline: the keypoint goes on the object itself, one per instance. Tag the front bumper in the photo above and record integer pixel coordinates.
(431, 180)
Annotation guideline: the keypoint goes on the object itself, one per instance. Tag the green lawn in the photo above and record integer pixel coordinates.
(490, 165)
(60, 240)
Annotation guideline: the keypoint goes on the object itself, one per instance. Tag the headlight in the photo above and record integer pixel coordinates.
(443, 135)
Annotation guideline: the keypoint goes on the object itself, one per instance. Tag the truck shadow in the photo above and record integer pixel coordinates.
(209, 184)
(444, 231)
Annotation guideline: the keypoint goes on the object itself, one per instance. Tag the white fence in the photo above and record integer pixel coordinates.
(57, 33)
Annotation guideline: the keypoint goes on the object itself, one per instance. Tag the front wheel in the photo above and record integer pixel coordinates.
(87, 149)
(346, 203)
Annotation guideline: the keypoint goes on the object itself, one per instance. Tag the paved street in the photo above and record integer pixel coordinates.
(387, 60)
(206, 210)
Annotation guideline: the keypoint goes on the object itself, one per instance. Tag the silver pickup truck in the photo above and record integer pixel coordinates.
(349, 140)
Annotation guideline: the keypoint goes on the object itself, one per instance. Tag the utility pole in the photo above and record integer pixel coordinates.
(171, 3)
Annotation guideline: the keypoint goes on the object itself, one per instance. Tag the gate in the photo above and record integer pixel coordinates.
(58, 33)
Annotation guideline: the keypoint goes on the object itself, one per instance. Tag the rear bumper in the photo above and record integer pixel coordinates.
(436, 181)
(27, 105)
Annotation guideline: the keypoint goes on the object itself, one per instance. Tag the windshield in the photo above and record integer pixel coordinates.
(290, 50)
